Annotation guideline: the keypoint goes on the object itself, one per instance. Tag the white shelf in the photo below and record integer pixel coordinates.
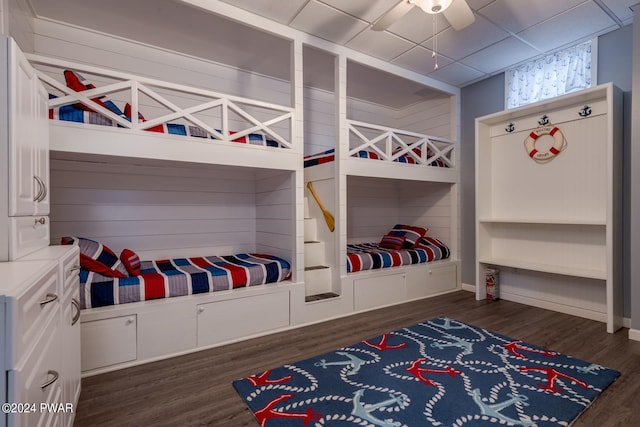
(545, 268)
(554, 226)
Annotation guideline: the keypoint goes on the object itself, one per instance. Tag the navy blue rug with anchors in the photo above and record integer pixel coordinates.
(438, 373)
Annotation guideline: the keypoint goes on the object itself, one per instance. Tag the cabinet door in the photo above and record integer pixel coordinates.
(23, 184)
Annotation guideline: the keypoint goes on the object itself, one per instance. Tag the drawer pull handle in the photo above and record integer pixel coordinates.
(53, 379)
(200, 310)
(76, 316)
(75, 268)
(40, 220)
(129, 321)
(48, 299)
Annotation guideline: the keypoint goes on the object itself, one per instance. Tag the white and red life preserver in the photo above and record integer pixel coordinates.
(559, 143)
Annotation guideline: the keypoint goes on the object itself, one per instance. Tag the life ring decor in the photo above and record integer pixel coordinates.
(559, 143)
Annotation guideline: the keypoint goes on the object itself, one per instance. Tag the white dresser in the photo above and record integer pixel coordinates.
(40, 336)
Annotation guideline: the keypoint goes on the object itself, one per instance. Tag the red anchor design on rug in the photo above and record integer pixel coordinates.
(262, 379)
(382, 345)
(552, 376)
(267, 413)
(418, 372)
(514, 346)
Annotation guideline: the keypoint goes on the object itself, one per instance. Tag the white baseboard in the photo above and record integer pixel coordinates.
(634, 334)
(469, 288)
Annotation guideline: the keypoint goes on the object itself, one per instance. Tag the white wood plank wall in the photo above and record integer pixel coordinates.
(275, 213)
(374, 206)
(159, 211)
(432, 117)
(75, 44)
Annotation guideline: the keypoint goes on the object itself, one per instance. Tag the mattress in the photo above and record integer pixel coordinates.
(182, 276)
(370, 256)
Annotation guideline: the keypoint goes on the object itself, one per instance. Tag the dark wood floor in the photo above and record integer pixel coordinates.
(196, 390)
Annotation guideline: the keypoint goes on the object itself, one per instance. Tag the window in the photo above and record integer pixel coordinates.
(562, 72)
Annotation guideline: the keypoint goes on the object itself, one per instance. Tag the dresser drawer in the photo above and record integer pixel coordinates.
(70, 266)
(36, 380)
(108, 342)
(33, 310)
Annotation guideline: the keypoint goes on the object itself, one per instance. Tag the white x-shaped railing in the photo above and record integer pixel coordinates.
(136, 85)
(391, 144)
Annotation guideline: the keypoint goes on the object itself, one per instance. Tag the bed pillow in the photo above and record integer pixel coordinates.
(141, 119)
(78, 83)
(390, 241)
(131, 262)
(411, 233)
(96, 257)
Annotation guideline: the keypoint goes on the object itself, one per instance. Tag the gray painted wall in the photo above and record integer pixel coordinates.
(486, 97)
(634, 253)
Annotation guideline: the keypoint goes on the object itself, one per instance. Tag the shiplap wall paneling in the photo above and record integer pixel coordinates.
(319, 121)
(88, 47)
(428, 205)
(162, 211)
(275, 207)
(431, 117)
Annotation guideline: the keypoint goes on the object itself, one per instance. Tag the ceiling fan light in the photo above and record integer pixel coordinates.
(432, 6)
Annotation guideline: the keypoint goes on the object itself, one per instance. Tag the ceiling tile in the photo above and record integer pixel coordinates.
(457, 74)
(280, 11)
(327, 23)
(622, 9)
(417, 25)
(500, 55)
(571, 26)
(367, 10)
(458, 44)
(380, 44)
(420, 60)
(517, 16)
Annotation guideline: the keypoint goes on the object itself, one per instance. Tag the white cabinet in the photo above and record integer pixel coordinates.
(25, 146)
(40, 347)
(553, 227)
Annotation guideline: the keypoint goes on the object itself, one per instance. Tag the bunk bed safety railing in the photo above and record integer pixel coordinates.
(151, 88)
(391, 144)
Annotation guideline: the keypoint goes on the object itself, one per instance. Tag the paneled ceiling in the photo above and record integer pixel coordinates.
(505, 32)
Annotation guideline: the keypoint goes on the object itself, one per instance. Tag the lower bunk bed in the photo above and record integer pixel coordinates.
(135, 311)
(382, 274)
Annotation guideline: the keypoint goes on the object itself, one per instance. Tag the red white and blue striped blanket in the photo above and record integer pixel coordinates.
(182, 276)
(369, 256)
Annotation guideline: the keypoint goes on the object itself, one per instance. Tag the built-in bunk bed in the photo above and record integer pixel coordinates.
(390, 180)
(185, 218)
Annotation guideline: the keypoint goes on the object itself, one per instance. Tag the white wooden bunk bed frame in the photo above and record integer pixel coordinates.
(104, 140)
(115, 337)
(118, 336)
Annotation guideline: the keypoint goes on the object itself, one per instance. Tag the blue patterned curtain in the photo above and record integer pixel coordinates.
(562, 72)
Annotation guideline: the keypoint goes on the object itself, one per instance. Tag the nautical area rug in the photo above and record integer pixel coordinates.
(438, 373)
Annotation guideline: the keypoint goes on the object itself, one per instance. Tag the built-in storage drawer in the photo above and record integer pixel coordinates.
(36, 380)
(28, 234)
(34, 309)
(108, 342)
(436, 279)
(222, 321)
(379, 290)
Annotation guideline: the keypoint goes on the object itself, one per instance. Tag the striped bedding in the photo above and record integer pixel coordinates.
(70, 113)
(182, 276)
(369, 256)
(329, 156)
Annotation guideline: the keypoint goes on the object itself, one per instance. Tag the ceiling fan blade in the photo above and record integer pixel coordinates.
(395, 13)
(459, 14)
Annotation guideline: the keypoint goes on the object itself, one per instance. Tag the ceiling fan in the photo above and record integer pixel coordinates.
(457, 12)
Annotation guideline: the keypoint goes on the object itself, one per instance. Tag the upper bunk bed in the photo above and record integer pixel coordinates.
(388, 126)
(91, 110)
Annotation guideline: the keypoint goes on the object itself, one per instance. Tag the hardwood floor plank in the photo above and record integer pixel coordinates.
(196, 390)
